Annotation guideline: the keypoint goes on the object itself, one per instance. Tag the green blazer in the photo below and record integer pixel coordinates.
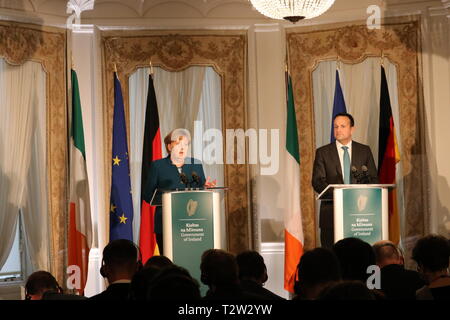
(163, 175)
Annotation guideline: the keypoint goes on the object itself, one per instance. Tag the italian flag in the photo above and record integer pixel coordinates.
(80, 226)
(293, 230)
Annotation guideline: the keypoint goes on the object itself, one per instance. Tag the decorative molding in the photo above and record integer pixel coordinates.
(176, 51)
(399, 42)
(77, 7)
(23, 42)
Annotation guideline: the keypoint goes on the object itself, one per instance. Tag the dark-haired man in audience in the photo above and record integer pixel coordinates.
(432, 254)
(317, 269)
(396, 281)
(253, 274)
(219, 271)
(120, 263)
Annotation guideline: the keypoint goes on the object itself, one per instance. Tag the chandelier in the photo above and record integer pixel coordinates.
(292, 10)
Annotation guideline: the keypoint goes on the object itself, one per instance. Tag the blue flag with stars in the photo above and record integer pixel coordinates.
(121, 207)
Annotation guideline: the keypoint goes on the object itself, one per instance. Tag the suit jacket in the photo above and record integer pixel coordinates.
(398, 283)
(327, 170)
(114, 292)
(164, 175)
(254, 288)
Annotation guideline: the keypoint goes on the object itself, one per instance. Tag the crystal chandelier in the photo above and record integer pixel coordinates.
(292, 10)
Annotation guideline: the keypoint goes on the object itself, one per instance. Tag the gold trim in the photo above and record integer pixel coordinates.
(20, 42)
(226, 52)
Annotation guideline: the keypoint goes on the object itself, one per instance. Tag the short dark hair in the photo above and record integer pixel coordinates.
(317, 266)
(218, 267)
(251, 265)
(173, 283)
(158, 262)
(345, 114)
(121, 254)
(354, 256)
(432, 252)
(41, 281)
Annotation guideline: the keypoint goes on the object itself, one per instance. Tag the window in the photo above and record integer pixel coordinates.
(12, 270)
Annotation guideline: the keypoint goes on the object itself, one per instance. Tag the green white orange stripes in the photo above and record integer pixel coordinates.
(80, 225)
(292, 218)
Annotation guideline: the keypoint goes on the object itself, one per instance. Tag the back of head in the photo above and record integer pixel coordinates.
(40, 282)
(251, 266)
(432, 252)
(141, 281)
(218, 268)
(347, 290)
(317, 266)
(120, 256)
(354, 257)
(386, 252)
(158, 262)
(173, 283)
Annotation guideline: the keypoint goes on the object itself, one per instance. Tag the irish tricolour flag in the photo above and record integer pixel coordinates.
(293, 230)
(80, 226)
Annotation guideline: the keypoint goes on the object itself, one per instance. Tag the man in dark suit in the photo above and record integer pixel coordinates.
(121, 260)
(343, 161)
(253, 274)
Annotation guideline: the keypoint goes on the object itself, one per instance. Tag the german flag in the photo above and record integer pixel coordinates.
(388, 156)
(151, 151)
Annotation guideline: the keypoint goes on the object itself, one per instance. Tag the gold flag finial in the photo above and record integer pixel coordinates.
(151, 67)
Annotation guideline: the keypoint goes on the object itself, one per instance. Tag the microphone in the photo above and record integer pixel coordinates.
(195, 178)
(356, 174)
(184, 179)
(365, 173)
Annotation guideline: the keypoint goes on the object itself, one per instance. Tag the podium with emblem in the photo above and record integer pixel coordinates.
(191, 225)
(360, 211)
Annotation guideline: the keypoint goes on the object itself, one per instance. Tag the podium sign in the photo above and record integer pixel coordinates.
(361, 211)
(191, 225)
(362, 214)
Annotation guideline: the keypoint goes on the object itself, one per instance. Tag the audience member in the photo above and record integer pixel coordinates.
(120, 263)
(219, 271)
(316, 270)
(354, 257)
(396, 281)
(158, 262)
(347, 290)
(253, 274)
(432, 254)
(173, 283)
(39, 283)
(141, 281)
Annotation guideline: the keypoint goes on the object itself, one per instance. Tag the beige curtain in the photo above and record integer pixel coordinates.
(22, 98)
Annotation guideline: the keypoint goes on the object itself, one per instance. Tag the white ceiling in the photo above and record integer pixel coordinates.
(124, 11)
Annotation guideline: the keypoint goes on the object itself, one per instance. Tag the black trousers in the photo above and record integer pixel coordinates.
(327, 237)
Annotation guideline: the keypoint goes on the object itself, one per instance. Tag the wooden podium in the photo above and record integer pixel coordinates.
(360, 211)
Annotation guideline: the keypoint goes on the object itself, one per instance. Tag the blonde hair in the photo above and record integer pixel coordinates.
(176, 135)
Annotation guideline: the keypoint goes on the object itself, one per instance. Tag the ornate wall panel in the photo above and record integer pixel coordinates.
(352, 43)
(175, 51)
(23, 42)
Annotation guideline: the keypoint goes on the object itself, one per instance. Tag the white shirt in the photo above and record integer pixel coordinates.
(341, 153)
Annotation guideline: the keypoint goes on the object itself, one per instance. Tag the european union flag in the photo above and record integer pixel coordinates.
(121, 210)
(338, 104)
